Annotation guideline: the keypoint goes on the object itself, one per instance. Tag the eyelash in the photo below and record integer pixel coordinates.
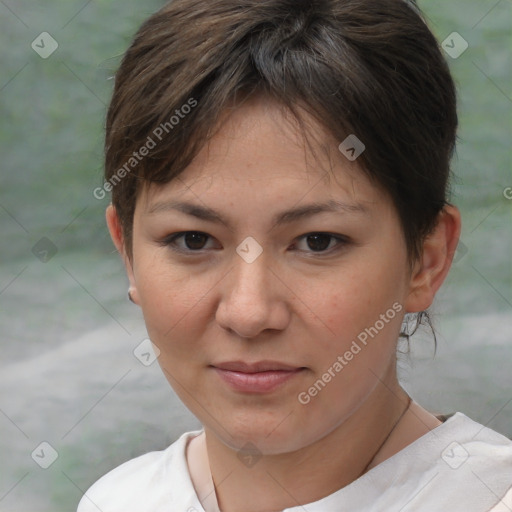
(170, 240)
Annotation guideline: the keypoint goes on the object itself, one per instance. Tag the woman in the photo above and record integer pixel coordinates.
(279, 173)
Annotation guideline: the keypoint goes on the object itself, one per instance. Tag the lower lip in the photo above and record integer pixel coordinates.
(261, 382)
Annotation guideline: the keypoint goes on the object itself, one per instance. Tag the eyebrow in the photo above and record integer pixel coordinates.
(285, 217)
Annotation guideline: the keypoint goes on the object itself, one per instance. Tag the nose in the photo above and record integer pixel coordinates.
(253, 299)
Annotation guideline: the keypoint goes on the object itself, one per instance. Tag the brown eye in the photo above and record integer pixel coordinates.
(321, 243)
(187, 241)
(195, 241)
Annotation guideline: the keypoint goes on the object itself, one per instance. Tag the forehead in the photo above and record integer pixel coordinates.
(260, 152)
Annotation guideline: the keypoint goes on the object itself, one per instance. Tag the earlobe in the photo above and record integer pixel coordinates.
(116, 233)
(437, 255)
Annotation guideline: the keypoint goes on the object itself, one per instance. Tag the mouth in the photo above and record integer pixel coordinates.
(258, 377)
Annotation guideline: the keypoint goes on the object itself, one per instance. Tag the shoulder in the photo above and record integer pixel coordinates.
(461, 465)
(150, 482)
(470, 441)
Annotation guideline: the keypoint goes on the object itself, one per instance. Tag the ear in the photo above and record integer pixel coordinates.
(116, 233)
(432, 268)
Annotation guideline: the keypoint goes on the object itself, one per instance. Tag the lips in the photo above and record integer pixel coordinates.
(256, 367)
(257, 377)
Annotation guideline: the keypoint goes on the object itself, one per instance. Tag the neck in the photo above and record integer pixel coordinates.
(285, 480)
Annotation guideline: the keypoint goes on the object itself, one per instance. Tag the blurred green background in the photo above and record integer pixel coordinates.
(68, 375)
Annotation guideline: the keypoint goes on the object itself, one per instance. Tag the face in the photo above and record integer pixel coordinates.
(273, 283)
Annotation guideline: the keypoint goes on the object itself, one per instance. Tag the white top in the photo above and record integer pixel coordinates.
(459, 466)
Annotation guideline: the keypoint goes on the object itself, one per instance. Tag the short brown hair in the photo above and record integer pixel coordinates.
(366, 67)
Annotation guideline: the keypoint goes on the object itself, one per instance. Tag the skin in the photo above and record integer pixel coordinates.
(291, 305)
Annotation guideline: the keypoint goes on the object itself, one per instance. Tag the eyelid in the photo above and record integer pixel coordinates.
(169, 240)
(341, 240)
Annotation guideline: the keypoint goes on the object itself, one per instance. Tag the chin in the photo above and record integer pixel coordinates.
(270, 436)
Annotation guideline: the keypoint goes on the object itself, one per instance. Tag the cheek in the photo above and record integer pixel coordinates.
(349, 301)
(355, 343)
(356, 315)
(170, 298)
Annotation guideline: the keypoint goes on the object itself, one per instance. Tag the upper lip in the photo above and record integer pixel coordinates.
(259, 366)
